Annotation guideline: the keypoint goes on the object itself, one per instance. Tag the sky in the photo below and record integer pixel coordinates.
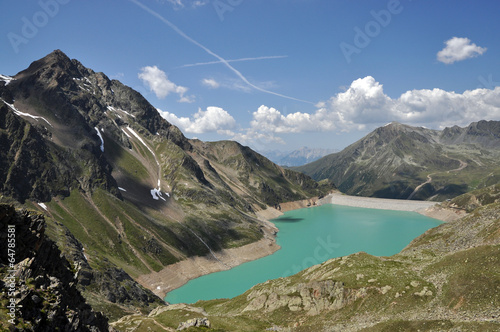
(277, 74)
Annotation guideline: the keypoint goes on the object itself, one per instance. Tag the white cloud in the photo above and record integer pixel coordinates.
(249, 136)
(214, 119)
(158, 82)
(458, 49)
(271, 120)
(211, 83)
(364, 105)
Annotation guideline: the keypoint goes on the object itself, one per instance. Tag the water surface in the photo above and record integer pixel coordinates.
(308, 237)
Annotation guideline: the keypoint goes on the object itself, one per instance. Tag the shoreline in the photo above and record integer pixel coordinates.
(377, 203)
(178, 274)
(426, 208)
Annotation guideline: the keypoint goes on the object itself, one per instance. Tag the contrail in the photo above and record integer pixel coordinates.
(235, 60)
(221, 59)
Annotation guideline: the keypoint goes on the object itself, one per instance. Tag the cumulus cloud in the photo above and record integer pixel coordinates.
(251, 135)
(214, 119)
(458, 49)
(158, 82)
(364, 105)
(211, 83)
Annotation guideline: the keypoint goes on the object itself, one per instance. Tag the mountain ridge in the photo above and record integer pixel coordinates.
(299, 157)
(396, 159)
(121, 184)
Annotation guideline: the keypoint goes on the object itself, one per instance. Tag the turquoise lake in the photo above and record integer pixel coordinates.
(308, 237)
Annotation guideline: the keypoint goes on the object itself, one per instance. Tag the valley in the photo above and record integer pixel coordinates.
(124, 191)
(118, 207)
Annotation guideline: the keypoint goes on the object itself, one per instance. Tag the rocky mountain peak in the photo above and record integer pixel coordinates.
(52, 66)
(482, 133)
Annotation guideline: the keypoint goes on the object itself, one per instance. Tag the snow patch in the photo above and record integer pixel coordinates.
(6, 79)
(127, 113)
(111, 108)
(126, 133)
(122, 189)
(156, 193)
(144, 143)
(43, 206)
(17, 112)
(100, 136)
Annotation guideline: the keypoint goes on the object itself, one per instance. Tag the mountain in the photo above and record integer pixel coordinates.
(297, 157)
(400, 161)
(124, 192)
(448, 279)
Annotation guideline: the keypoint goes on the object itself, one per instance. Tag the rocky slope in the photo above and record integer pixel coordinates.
(448, 279)
(37, 281)
(125, 193)
(400, 161)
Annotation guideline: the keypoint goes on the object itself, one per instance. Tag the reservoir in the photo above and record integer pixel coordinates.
(308, 237)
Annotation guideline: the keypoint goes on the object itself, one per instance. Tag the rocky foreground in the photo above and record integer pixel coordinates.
(38, 281)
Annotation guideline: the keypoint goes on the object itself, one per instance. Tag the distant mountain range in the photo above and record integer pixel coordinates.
(125, 191)
(405, 162)
(299, 157)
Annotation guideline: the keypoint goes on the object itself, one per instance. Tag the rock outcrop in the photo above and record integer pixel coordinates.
(312, 298)
(40, 281)
(194, 322)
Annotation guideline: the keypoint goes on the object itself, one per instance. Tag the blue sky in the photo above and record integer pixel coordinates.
(319, 73)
